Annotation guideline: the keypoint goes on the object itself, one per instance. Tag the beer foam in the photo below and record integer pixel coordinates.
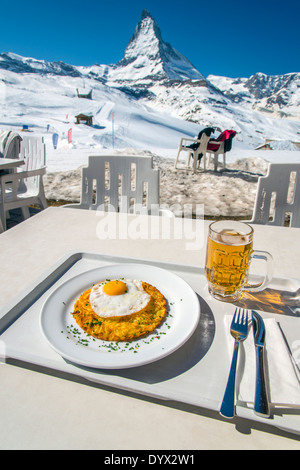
(231, 237)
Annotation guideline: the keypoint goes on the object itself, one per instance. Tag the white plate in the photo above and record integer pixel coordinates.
(181, 322)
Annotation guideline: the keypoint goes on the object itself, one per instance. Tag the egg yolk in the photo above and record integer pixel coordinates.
(115, 288)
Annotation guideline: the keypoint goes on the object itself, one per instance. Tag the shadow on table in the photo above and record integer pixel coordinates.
(272, 301)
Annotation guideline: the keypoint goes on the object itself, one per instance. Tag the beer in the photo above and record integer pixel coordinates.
(228, 261)
(228, 257)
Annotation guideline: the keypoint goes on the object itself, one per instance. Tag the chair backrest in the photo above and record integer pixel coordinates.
(12, 144)
(33, 151)
(119, 183)
(278, 196)
(203, 144)
(226, 142)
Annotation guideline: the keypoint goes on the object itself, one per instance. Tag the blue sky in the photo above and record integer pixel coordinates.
(234, 38)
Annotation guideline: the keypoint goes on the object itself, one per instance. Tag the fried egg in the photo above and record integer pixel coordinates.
(110, 299)
(118, 298)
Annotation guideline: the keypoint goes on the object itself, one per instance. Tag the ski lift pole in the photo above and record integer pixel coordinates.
(113, 129)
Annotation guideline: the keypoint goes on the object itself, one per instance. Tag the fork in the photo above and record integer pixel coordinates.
(239, 330)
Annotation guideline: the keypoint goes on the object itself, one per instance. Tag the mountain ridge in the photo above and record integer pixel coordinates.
(149, 60)
(153, 74)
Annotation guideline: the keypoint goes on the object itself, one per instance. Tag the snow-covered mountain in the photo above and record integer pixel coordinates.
(147, 57)
(155, 93)
(18, 64)
(277, 94)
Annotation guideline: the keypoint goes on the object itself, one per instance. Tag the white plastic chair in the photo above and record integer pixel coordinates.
(278, 196)
(121, 184)
(216, 153)
(25, 187)
(184, 146)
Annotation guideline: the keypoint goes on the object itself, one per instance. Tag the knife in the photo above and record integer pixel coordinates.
(261, 403)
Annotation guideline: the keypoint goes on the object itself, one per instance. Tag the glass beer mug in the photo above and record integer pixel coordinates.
(228, 257)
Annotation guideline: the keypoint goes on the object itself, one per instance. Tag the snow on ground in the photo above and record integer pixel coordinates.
(229, 193)
(43, 96)
(42, 101)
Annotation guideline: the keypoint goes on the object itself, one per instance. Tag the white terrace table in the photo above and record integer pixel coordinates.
(6, 163)
(45, 411)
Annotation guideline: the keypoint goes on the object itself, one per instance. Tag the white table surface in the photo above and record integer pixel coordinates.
(40, 411)
(6, 163)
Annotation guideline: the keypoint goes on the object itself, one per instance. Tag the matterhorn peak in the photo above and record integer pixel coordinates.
(146, 14)
(148, 57)
(145, 29)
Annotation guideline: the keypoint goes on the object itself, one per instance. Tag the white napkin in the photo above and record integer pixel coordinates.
(282, 379)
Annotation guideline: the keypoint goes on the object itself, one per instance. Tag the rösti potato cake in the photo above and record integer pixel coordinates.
(114, 320)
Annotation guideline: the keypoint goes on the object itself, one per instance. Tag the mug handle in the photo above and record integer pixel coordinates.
(265, 256)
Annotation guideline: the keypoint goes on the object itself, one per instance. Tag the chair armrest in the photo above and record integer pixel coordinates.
(22, 175)
(189, 139)
(185, 141)
(12, 182)
(220, 148)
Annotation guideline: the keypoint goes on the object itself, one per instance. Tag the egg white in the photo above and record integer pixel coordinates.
(132, 301)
